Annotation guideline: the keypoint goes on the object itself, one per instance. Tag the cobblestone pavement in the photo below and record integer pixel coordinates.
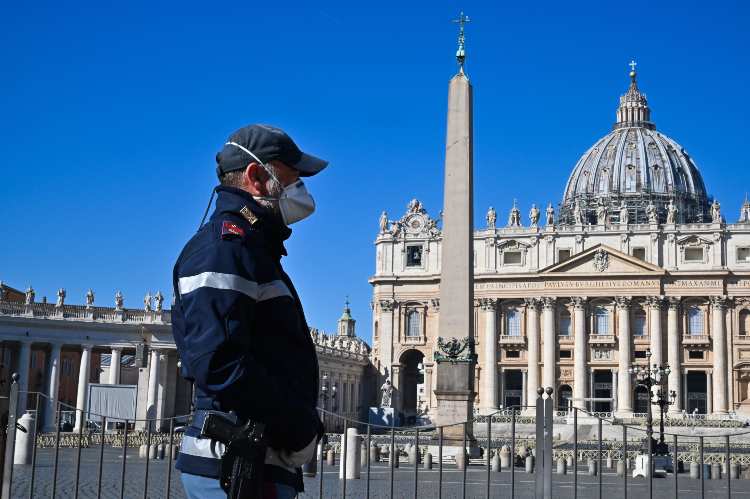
(403, 485)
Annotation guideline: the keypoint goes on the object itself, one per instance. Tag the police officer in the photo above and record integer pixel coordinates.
(237, 321)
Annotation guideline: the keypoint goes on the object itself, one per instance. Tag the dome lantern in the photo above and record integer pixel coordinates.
(633, 109)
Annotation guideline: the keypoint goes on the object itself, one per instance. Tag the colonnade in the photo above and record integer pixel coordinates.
(541, 368)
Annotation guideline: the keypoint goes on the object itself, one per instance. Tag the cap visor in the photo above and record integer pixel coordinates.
(309, 165)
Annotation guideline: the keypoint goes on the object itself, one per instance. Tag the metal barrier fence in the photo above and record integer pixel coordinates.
(523, 452)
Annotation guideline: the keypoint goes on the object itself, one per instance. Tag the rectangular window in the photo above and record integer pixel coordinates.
(743, 255)
(639, 354)
(695, 354)
(562, 255)
(512, 258)
(513, 354)
(565, 324)
(513, 323)
(640, 253)
(414, 256)
(693, 254)
(566, 354)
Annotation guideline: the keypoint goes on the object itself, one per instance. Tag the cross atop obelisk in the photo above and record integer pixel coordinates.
(461, 52)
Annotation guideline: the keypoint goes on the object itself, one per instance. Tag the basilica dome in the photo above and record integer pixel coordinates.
(634, 166)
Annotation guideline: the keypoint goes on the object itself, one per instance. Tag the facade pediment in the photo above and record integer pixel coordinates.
(602, 259)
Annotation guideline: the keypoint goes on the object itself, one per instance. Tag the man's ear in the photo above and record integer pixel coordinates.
(252, 181)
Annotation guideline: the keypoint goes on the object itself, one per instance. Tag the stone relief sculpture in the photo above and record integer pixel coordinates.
(30, 294)
(514, 219)
(147, 302)
(60, 297)
(715, 212)
(578, 213)
(386, 391)
(534, 215)
(651, 213)
(118, 300)
(383, 223)
(415, 206)
(550, 214)
(624, 214)
(159, 299)
(601, 213)
(491, 218)
(601, 260)
(89, 298)
(672, 212)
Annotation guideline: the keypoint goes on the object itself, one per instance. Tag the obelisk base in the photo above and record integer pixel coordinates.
(455, 408)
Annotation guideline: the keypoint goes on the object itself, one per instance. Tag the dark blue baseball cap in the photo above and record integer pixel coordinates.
(264, 143)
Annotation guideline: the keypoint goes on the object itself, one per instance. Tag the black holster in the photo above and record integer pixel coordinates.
(244, 457)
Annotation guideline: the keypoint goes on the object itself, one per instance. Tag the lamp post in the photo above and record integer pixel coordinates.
(327, 392)
(649, 377)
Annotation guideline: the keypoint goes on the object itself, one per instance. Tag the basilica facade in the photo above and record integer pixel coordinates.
(637, 265)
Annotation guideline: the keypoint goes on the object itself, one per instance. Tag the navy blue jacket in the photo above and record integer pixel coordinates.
(241, 333)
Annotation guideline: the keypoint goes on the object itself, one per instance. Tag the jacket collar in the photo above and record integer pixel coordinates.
(233, 200)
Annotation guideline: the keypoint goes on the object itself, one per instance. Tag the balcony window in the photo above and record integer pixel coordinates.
(601, 320)
(695, 321)
(745, 322)
(565, 324)
(413, 324)
(743, 255)
(639, 323)
(513, 323)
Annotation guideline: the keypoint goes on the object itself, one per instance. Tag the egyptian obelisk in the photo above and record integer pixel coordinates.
(455, 353)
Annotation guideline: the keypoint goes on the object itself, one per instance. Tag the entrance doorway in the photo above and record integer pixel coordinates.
(696, 392)
(513, 388)
(602, 389)
(564, 394)
(412, 379)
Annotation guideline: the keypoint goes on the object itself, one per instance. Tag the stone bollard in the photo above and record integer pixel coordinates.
(330, 457)
(609, 463)
(716, 471)
(152, 451)
(175, 451)
(374, 454)
(352, 458)
(569, 462)
(504, 457)
(413, 455)
(161, 451)
(461, 459)
(695, 470)
(24, 440)
(620, 467)
(394, 457)
(706, 471)
(592, 467)
(495, 464)
(428, 461)
(364, 455)
(561, 466)
(734, 471)
(143, 451)
(529, 464)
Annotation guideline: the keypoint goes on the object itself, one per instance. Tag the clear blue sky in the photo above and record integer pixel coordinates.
(111, 117)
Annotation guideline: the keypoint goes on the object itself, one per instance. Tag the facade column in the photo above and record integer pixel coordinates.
(53, 384)
(614, 390)
(489, 395)
(549, 366)
(673, 352)
(532, 333)
(624, 386)
(153, 384)
(386, 338)
(719, 337)
(524, 387)
(84, 372)
(709, 391)
(655, 304)
(114, 366)
(580, 352)
(23, 370)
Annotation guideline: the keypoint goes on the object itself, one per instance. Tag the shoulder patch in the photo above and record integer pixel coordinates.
(230, 230)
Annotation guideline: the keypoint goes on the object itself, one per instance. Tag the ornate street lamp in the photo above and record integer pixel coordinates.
(327, 392)
(649, 377)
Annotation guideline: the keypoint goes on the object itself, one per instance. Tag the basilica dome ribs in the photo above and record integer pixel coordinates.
(634, 166)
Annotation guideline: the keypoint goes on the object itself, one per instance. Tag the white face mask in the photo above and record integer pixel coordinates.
(295, 203)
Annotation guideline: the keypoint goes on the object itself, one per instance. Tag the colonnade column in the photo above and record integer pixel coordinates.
(549, 366)
(489, 395)
(673, 353)
(655, 304)
(719, 337)
(153, 384)
(709, 391)
(532, 333)
(53, 383)
(24, 364)
(524, 387)
(615, 404)
(580, 352)
(84, 372)
(624, 385)
(114, 366)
